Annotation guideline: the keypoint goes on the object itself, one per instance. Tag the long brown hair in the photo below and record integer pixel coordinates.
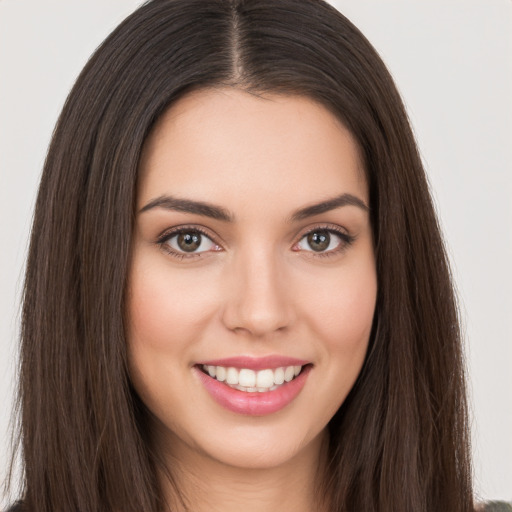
(399, 443)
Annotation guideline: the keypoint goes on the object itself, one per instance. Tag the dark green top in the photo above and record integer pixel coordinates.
(498, 506)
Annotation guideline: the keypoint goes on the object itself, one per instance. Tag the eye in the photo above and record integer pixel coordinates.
(324, 241)
(188, 241)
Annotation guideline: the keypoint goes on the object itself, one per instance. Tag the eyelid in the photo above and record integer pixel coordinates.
(168, 232)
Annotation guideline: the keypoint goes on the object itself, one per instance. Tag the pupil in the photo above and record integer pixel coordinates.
(319, 240)
(190, 241)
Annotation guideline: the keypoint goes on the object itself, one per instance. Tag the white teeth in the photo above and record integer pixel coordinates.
(289, 373)
(232, 376)
(221, 373)
(248, 380)
(265, 379)
(279, 376)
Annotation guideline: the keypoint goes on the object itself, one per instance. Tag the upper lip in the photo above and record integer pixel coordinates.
(255, 363)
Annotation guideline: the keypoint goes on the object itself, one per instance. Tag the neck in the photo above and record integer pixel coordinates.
(202, 484)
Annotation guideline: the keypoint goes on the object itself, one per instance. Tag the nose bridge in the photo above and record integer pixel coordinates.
(258, 301)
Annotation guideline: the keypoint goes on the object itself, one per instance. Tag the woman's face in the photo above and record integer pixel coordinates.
(252, 260)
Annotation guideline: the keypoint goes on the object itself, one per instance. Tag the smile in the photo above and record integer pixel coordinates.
(254, 387)
(248, 380)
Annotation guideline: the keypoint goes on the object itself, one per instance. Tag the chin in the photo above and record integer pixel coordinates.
(260, 447)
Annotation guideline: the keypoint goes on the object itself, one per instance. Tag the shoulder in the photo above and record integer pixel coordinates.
(496, 506)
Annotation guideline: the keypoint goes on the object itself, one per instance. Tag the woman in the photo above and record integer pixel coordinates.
(233, 190)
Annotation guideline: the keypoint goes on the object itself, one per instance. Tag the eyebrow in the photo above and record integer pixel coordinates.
(218, 213)
(189, 206)
(328, 205)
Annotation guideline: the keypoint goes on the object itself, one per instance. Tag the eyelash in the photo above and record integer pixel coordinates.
(346, 241)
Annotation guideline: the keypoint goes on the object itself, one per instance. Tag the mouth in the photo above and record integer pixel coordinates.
(251, 381)
(266, 388)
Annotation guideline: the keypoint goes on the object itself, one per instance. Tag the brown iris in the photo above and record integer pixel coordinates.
(189, 241)
(319, 240)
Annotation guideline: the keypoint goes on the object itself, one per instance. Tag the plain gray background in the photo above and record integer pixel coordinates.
(452, 61)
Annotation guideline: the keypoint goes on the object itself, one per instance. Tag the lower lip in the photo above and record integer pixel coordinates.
(254, 403)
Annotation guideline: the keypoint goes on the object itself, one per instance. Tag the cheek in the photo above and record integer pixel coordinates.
(166, 315)
(166, 309)
(342, 311)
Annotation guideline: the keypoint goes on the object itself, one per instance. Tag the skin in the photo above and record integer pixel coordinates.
(258, 288)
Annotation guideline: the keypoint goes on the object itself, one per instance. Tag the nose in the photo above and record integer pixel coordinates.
(258, 299)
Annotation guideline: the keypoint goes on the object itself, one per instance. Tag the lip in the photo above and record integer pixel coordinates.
(255, 363)
(252, 403)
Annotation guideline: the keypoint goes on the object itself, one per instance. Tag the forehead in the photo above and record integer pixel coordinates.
(230, 146)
